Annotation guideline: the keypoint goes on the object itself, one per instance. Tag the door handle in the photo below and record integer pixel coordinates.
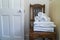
(20, 11)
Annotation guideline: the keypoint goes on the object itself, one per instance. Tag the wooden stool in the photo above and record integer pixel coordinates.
(34, 9)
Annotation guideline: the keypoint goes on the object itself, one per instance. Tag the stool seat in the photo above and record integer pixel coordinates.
(51, 35)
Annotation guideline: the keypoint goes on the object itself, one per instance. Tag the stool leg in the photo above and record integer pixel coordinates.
(53, 38)
(49, 39)
(31, 38)
(43, 38)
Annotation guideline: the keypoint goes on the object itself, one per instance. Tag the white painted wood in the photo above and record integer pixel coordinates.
(11, 20)
(0, 3)
(5, 3)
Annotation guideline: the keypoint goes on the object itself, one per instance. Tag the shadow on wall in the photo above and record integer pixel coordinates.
(54, 14)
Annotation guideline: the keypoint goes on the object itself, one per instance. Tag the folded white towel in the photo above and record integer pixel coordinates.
(42, 17)
(43, 29)
(44, 24)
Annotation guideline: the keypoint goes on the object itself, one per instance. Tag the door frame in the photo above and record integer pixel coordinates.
(22, 9)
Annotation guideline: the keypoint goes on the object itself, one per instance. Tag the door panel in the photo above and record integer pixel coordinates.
(11, 20)
(5, 25)
(10, 3)
(5, 38)
(5, 3)
(17, 25)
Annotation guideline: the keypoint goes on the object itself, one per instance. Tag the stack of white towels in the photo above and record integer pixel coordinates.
(42, 23)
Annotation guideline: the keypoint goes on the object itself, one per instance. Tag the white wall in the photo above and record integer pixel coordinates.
(27, 3)
(55, 15)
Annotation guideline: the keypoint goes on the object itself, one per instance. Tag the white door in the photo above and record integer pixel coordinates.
(11, 20)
